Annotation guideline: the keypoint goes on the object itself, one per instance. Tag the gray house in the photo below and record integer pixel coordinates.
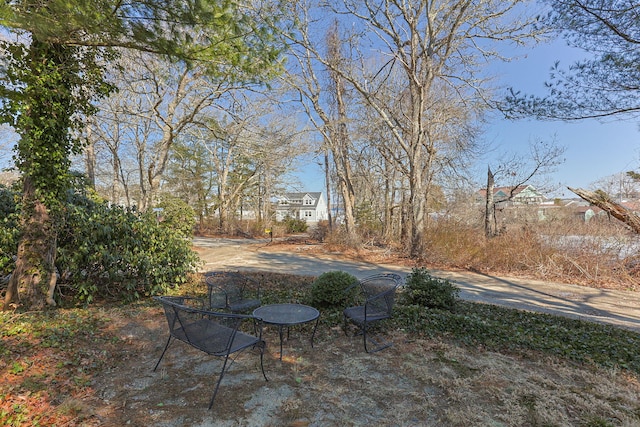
(310, 207)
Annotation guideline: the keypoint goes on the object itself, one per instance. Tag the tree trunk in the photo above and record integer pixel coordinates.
(90, 153)
(340, 142)
(43, 158)
(490, 207)
(33, 280)
(327, 181)
(600, 199)
(417, 206)
(404, 219)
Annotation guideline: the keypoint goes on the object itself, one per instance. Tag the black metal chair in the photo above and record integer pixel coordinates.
(217, 334)
(377, 298)
(232, 291)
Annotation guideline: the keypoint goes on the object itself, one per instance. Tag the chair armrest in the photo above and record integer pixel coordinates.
(185, 300)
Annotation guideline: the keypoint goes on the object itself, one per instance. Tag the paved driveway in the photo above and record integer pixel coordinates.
(599, 305)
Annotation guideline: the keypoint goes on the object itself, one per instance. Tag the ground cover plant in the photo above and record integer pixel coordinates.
(473, 364)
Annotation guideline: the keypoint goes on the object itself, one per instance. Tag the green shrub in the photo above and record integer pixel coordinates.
(117, 253)
(293, 225)
(9, 230)
(428, 291)
(175, 213)
(330, 289)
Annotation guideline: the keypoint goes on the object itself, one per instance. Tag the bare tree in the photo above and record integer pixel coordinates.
(439, 47)
(158, 101)
(339, 141)
(518, 170)
(620, 186)
(248, 149)
(326, 109)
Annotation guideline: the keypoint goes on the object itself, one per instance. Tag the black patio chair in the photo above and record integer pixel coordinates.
(377, 298)
(232, 291)
(217, 334)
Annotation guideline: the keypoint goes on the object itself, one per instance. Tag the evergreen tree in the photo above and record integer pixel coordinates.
(53, 67)
(606, 85)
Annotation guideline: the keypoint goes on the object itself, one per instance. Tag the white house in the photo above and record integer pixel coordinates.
(310, 207)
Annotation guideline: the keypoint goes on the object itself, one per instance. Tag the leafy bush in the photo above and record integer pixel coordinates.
(117, 253)
(293, 225)
(425, 290)
(176, 214)
(9, 230)
(330, 289)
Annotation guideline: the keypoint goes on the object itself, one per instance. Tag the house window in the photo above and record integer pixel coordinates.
(308, 201)
(308, 214)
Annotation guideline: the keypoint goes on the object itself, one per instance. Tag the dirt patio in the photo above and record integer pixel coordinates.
(94, 366)
(416, 382)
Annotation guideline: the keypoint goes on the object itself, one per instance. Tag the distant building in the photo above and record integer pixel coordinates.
(8, 178)
(310, 207)
(520, 195)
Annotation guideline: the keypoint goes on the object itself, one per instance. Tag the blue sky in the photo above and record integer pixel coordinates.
(594, 149)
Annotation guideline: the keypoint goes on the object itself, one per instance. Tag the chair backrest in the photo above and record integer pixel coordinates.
(228, 285)
(170, 305)
(380, 290)
(209, 331)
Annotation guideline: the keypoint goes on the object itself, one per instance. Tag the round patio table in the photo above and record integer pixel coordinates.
(287, 315)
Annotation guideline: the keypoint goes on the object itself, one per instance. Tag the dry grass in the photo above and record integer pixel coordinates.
(94, 368)
(535, 250)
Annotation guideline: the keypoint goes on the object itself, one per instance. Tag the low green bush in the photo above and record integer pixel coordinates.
(330, 289)
(425, 290)
(512, 331)
(176, 214)
(294, 225)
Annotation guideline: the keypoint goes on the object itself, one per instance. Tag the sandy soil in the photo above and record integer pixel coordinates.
(415, 382)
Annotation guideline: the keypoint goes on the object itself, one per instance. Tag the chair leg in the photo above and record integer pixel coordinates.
(163, 352)
(215, 392)
(364, 336)
(345, 324)
(224, 366)
(378, 345)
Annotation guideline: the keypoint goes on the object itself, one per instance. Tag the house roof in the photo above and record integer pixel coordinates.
(315, 196)
(506, 190)
(632, 205)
